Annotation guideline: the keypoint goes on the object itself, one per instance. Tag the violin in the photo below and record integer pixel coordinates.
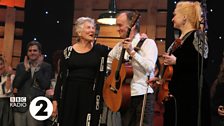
(165, 76)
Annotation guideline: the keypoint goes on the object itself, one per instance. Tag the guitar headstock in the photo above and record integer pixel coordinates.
(134, 19)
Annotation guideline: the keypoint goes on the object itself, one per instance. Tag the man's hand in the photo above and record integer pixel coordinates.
(143, 35)
(127, 44)
(26, 63)
(15, 91)
(154, 82)
(55, 109)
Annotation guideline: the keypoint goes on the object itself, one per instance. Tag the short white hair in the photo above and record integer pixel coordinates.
(80, 21)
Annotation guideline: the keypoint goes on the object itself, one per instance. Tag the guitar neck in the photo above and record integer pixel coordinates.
(128, 32)
(121, 59)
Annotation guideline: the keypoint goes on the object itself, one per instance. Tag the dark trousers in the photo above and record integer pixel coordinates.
(132, 115)
(6, 115)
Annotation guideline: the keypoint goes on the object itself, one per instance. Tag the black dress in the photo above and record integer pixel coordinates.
(79, 87)
(184, 85)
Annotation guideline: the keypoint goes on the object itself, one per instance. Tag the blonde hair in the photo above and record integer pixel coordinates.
(79, 24)
(192, 10)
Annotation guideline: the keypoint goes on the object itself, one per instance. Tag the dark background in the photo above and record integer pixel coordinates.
(54, 36)
(216, 44)
(45, 28)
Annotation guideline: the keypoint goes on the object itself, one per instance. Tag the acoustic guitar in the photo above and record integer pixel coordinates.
(116, 92)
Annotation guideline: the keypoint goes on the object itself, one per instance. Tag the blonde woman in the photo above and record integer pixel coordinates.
(186, 62)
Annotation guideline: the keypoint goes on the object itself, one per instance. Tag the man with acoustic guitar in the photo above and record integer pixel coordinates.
(142, 61)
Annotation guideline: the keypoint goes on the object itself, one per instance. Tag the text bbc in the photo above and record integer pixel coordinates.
(18, 102)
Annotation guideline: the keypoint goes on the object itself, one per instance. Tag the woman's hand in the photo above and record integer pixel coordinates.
(8, 83)
(169, 59)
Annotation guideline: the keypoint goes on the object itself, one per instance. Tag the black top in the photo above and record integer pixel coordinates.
(83, 66)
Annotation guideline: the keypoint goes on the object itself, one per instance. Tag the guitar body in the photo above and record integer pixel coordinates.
(126, 87)
(117, 97)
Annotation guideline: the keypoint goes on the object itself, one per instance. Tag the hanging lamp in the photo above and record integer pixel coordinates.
(109, 17)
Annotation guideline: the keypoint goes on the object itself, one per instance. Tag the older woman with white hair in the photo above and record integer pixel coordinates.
(77, 95)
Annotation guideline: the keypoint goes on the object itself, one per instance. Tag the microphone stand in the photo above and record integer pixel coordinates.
(200, 81)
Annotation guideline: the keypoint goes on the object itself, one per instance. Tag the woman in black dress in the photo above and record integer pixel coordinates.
(80, 81)
(186, 62)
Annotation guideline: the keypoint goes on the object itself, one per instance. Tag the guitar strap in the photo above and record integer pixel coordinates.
(138, 46)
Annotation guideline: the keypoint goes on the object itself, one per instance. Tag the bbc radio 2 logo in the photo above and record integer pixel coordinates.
(18, 102)
(40, 107)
